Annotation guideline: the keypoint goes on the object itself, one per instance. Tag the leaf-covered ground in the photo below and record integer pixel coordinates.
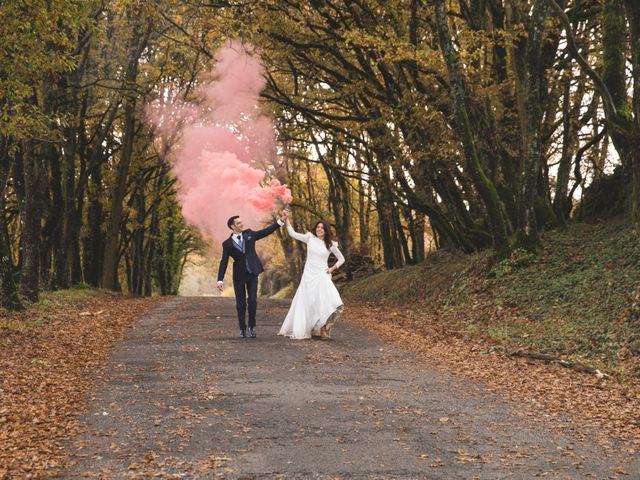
(181, 395)
(550, 390)
(184, 397)
(572, 301)
(50, 356)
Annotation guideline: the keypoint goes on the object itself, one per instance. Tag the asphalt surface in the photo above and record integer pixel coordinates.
(184, 397)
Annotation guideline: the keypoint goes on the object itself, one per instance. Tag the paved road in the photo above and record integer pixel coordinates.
(184, 398)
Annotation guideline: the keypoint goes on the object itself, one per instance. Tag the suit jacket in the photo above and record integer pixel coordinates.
(245, 263)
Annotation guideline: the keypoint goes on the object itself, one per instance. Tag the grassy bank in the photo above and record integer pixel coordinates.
(571, 301)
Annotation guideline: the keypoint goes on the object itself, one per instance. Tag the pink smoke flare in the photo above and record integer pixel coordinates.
(220, 145)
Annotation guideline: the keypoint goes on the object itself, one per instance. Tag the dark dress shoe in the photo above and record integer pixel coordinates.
(243, 333)
(252, 332)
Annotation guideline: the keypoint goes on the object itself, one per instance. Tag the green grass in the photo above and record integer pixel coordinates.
(441, 275)
(72, 296)
(571, 300)
(283, 293)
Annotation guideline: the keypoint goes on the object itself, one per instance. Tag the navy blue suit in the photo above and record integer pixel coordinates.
(246, 268)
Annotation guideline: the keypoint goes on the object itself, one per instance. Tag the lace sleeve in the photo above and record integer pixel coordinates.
(336, 251)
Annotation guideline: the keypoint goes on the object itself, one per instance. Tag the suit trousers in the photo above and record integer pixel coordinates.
(246, 291)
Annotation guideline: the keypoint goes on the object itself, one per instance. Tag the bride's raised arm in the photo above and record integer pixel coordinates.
(298, 236)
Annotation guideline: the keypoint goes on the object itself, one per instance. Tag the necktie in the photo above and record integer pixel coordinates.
(246, 260)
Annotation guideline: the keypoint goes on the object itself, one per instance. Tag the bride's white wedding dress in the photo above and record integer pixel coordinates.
(317, 299)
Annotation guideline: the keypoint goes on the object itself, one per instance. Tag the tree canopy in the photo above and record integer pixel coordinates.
(473, 125)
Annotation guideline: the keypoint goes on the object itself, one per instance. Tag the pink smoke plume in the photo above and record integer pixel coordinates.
(220, 145)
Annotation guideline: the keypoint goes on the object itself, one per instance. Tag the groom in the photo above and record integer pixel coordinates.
(241, 246)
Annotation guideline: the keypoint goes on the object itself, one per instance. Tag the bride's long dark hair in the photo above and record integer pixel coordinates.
(328, 238)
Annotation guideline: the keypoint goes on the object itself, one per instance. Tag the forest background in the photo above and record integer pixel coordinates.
(505, 131)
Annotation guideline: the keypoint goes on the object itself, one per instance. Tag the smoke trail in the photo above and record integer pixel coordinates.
(220, 144)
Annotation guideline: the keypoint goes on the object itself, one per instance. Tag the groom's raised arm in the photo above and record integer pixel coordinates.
(269, 230)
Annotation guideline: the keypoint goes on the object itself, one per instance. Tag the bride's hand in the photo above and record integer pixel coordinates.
(329, 270)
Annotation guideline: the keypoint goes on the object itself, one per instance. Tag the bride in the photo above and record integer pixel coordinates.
(317, 303)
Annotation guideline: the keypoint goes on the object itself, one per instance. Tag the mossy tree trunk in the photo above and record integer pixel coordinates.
(620, 38)
(484, 185)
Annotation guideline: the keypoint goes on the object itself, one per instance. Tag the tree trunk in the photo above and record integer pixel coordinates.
(150, 250)
(363, 218)
(138, 274)
(416, 229)
(564, 168)
(93, 242)
(62, 271)
(9, 298)
(340, 203)
(9, 291)
(624, 134)
(633, 17)
(528, 68)
(111, 254)
(52, 230)
(401, 238)
(391, 249)
(31, 217)
(75, 260)
(61, 274)
(486, 188)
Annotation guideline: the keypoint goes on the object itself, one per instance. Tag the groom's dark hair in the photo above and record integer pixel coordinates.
(232, 220)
